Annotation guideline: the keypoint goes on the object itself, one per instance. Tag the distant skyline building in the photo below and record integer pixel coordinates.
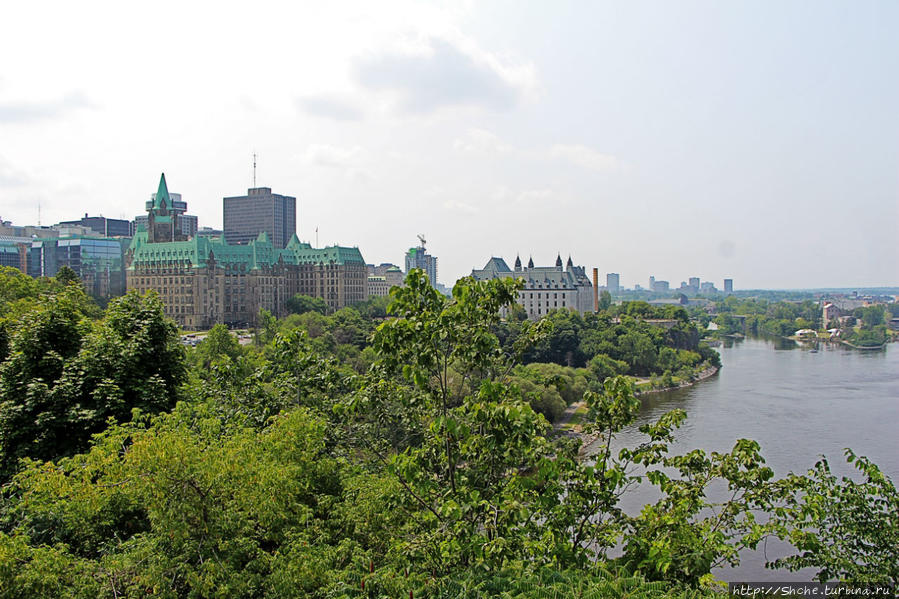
(613, 282)
(418, 257)
(728, 285)
(245, 217)
(100, 225)
(694, 283)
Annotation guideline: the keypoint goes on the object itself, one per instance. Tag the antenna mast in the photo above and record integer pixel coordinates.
(39, 213)
(254, 169)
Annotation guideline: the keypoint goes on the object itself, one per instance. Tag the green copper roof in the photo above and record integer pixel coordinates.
(162, 195)
(256, 254)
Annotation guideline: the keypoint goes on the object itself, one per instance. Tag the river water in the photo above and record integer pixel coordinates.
(798, 405)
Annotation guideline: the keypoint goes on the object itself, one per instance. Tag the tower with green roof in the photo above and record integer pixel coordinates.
(163, 219)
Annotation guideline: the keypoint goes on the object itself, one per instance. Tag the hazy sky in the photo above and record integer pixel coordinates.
(753, 140)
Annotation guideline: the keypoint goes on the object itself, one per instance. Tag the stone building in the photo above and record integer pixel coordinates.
(377, 286)
(546, 288)
(204, 281)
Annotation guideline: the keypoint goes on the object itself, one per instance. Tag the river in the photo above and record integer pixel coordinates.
(798, 405)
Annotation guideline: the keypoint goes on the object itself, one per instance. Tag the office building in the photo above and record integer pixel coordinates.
(546, 288)
(14, 252)
(245, 217)
(102, 226)
(728, 285)
(98, 262)
(418, 257)
(613, 282)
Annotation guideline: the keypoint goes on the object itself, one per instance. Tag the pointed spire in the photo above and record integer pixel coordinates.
(162, 199)
(570, 263)
(530, 262)
(559, 260)
(517, 262)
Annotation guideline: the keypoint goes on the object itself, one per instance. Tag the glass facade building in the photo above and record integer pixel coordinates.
(98, 262)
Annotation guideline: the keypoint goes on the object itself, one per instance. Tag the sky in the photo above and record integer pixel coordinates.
(757, 141)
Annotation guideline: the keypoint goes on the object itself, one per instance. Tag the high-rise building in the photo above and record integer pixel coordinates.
(728, 285)
(694, 283)
(107, 227)
(245, 217)
(613, 282)
(417, 257)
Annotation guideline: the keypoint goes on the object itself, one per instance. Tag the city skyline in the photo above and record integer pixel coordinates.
(673, 140)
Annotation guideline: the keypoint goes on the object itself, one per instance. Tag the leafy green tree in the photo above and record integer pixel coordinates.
(65, 377)
(847, 530)
(218, 343)
(66, 276)
(32, 417)
(300, 304)
(870, 316)
(605, 300)
(602, 367)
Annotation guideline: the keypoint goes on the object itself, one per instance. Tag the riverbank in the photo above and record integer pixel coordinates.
(865, 347)
(569, 423)
(702, 375)
(837, 340)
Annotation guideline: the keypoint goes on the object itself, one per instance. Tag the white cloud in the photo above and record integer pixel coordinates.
(481, 141)
(456, 206)
(435, 72)
(331, 106)
(585, 157)
(10, 176)
(333, 156)
(536, 196)
(24, 112)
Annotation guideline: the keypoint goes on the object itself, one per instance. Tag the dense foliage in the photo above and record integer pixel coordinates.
(357, 455)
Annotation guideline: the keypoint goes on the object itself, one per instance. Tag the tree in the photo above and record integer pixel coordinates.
(605, 300)
(300, 304)
(66, 377)
(32, 417)
(67, 276)
(218, 343)
(464, 471)
(848, 530)
(266, 327)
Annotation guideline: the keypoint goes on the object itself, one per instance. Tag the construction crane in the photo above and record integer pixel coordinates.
(421, 238)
